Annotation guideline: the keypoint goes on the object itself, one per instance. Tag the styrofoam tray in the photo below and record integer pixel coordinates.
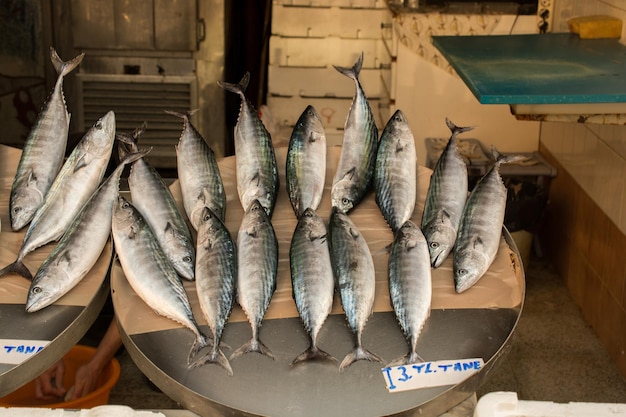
(506, 404)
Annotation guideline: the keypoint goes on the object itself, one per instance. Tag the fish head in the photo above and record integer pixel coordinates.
(101, 136)
(468, 267)
(343, 195)
(124, 214)
(24, 204)
(45, 287)
(312, 224)
(441, 238)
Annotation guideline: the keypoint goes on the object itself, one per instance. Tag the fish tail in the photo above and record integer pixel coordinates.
(238, 88)
(185, 116)
(502, 158)
(64, 67)
(253, 345)
(17, 267)
(313, 353)
(409, 358)
(354, 71)
(359, 353)
(214, 356)
(456, 130)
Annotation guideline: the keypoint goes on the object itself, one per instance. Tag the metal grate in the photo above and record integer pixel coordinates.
(136, 99)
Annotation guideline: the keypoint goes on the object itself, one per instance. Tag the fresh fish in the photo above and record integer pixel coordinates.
(445, 199)
(149, 272)
(306, 162)
(395, 180)
(216, 281)
(256, 277)
(154, 200)
(44, 150)
(481, 226)
(353, 268)
(198, 174)
(312, 280)
(257, 173)
(358, 153)
(80, 247)
(79, 177)
(410, 285)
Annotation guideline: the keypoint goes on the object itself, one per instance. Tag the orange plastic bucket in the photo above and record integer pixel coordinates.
(77, 356)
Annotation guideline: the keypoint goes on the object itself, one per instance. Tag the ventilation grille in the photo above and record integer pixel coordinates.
(137, 99)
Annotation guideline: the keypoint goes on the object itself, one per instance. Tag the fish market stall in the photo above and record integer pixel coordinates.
(32, 342)
(474, 326)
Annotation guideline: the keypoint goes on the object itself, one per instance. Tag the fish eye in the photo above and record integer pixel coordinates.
(206, 217)
(98, 124)
(461, 271)
(17, 209)
(308, 213)
(434, 245)
(125, 205)
(36, 290)
(187, 259)
(345, 201)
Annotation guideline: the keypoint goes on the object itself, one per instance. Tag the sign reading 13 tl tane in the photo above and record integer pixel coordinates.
(430, 374)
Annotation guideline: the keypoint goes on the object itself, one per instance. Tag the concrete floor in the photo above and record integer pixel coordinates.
(554, 355)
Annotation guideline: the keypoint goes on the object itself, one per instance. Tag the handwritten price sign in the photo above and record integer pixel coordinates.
(430, 374)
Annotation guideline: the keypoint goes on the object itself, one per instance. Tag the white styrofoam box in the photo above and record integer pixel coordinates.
(290, 21)
(319, 52)
(338, 3)
(503, 404)
(333, 112)
(325, 82)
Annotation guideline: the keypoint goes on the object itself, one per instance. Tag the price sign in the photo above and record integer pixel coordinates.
(15, 351)
(430, 374)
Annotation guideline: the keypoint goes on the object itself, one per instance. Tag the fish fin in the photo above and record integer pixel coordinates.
(253, 345)
(359, 353)
(64, 67)
(456, 130)
(354, 71)
(214, 356)
(476, 242)
(17, 267)
(354, 233)
(81, 162)
(313, 353)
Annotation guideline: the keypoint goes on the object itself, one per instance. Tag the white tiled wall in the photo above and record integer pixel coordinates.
(595, 155)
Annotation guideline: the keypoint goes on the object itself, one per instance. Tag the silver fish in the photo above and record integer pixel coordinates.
(358, 153)
(312, 280)
(154, 200)
(149, 272)
(44, 150)
(257, 173)
(306, 162)
(445, 199)
(216, 281)
(353, 268)
(80, 247)
(198, 174)
(410, 285)
(395, 181)
(481, 226)
(256, 277)
(79, 177)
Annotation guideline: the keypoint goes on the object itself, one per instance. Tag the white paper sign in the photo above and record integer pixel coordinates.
(15, 351)
(430, 374)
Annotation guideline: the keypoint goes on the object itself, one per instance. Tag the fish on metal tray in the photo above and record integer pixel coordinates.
(445, 199)
(149, 272)
(257, 248)
(410, 285)
(216, 282)
(257, 173)
(312, 280)
(357, 160)
(198, 174)
(81, 245)
(306, 162)
(481, 226)
(44, 150)
(355, 276)
(79, 177)
(395, 181)
(154, 200)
